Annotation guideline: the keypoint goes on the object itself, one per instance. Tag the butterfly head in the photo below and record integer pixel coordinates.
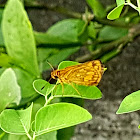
(55, 74)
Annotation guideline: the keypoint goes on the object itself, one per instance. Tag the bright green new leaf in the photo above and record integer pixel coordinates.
(9, 89)
(130, 103)
(16, 121)
(115, 13)
(60, 115)
(97, 8)
(120, 2)
(63, 32)
(19, 37)
(43, 87)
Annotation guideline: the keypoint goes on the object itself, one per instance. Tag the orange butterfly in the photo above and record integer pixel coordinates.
(87, 74)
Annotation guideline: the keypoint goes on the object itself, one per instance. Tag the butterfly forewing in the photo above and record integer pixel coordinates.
(88, 73)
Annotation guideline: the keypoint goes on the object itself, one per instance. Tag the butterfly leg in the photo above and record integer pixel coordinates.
(60, 82)
(75, 89)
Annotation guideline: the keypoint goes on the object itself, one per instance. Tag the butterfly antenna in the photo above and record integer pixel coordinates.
(50, 65)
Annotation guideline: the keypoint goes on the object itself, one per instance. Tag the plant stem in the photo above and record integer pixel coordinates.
(132, 5)
(133, 32)
(138, 3)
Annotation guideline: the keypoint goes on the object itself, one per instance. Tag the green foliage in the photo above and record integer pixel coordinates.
(17, 32)
(10, 90)
(97, 8)
(112, 33)
(115, 13)
(69, 114)
(130, 103)
(21, 63)
(16, 121)
(55, 35)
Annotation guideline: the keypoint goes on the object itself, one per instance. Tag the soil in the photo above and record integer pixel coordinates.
(121, 78)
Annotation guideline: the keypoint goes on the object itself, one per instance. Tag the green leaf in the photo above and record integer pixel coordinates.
(65, 64)
(16, 121)
(18, 36)
(112, 33)
(130, 103)
(48, 136)
(17, 137)
(1, 36)
(97, 8)
(66, 133)
(25, 80)
(77, 91)
(63, 32)
(91, 30)
(38, 103)
(60, 115)
(43, 87)
(120, 2)
(115, 13)
(5, 60)
(9, 89)
(56, 58)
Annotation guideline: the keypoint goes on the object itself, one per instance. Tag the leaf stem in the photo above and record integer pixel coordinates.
(34, 136)
(49, 99)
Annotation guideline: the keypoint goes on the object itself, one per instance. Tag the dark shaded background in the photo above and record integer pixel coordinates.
(121, 78)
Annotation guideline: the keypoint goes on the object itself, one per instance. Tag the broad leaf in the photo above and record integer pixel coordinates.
(112, 33)
(17, 137)
(9, 89)
(130, 103)
(77, 91)
(115, 13)
(18, 36)
(63, 32)
(25, 81)
(16, 121)
(58, 116)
